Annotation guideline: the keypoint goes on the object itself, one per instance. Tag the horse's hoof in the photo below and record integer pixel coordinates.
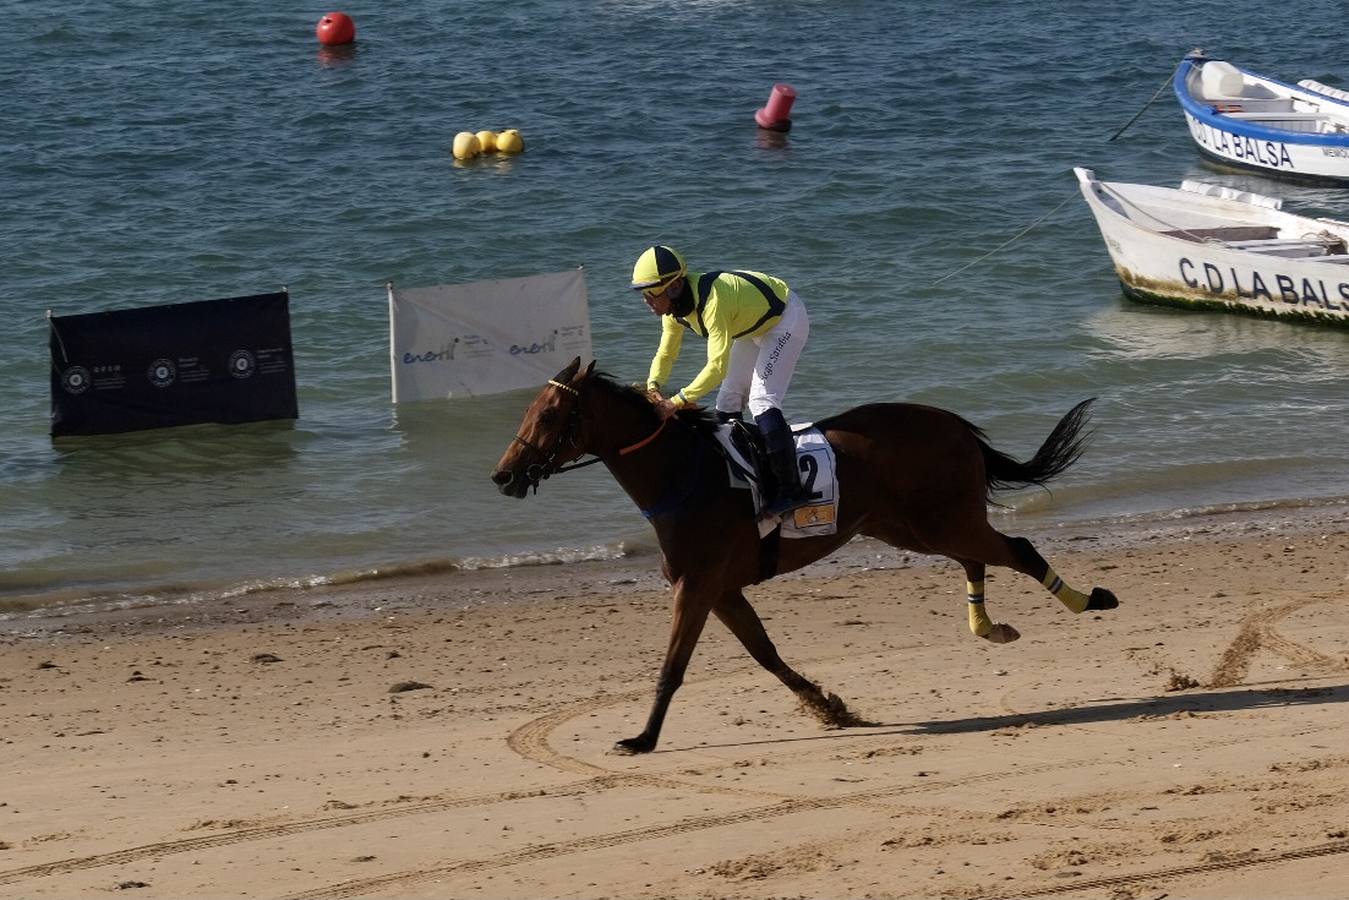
(1102, 599)
(634, 746)
(1002, 633)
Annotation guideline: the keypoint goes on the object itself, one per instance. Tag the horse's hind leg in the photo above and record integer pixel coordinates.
(994, 548)
(983, 545)
(1033, 564)
(736, 614)
(980, 623)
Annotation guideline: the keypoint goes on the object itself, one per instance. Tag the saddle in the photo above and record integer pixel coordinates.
(743, 448)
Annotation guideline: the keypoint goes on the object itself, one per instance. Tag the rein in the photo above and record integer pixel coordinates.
(633, 448)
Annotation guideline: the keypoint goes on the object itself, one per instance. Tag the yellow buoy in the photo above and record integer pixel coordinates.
(466, 145)
(509, 141)
(488, 140)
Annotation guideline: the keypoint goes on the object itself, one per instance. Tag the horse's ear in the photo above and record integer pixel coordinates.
(567, 374)
(590, 368)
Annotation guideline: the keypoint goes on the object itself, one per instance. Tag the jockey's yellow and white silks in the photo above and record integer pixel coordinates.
(755, 327)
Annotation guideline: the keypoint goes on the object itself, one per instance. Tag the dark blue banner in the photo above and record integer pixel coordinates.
(224, 361)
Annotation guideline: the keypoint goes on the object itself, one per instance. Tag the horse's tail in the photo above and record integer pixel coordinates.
(1059, 451)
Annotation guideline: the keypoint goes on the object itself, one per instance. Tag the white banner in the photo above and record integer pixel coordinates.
(459, 340)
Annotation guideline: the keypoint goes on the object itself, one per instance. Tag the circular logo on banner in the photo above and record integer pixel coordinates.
(162, 372)
(241, 364)
(75, 380)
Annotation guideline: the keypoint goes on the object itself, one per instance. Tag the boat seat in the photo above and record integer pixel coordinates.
(1290, 247)
(1277, 116)
(1239, 107)
(1225, 233)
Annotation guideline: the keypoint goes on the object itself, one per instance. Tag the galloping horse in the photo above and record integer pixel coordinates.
(916, 477)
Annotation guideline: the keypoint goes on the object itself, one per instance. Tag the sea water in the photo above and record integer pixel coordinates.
(157, 153)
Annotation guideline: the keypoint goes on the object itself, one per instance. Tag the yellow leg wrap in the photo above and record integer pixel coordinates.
(1073, 599)
(980, 623)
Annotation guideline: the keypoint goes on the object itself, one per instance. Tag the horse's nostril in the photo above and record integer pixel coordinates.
(501, 477)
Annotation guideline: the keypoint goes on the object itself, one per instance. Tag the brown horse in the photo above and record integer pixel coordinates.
(913, 476)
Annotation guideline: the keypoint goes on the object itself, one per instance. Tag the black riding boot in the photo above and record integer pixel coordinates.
(782, 460)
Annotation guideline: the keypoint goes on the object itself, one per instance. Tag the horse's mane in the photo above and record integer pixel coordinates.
(702, 421)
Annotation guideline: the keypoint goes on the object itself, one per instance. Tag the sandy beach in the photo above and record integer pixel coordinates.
(450, 736)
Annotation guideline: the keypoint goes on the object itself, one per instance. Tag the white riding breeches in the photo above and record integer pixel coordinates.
(761, 367)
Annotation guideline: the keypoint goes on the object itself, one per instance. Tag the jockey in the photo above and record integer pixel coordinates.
(755, 328)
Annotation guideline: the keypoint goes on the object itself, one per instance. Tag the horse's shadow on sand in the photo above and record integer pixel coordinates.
(1112, 710)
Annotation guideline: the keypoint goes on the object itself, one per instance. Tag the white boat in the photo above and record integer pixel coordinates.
(1253, 122)
(1207, 246)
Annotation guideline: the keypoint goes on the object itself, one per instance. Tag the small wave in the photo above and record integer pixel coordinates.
(597, 553)
(70, 602)
(558, 557)
(1043, 505)
(1256, 506)
(1283, 516)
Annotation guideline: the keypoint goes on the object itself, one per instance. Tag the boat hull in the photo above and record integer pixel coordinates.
(1155, 268)
(1255, 145)
(1323, 164)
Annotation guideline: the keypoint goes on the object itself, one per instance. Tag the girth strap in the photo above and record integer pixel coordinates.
(769, 545)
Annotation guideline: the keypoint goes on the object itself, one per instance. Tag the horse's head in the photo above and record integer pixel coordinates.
(549, 435)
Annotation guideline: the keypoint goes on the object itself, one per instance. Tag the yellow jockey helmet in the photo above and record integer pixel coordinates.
(657, 266)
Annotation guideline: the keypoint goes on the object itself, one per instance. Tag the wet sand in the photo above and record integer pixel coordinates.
(450, 736)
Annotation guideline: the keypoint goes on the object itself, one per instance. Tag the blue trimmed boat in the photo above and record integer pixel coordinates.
(1250, 121)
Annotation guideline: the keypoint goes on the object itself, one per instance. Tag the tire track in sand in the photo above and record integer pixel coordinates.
(529, 740)
(1097, 884)
(265, 832)
(536, 852)
(786, 807)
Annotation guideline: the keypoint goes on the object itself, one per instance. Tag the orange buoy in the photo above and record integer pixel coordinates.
(336, 28)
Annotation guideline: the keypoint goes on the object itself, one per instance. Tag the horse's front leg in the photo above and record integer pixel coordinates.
(690, 614)
(736, 614)
(980, 623)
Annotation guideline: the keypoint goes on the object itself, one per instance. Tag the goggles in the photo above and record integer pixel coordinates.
(652, 291)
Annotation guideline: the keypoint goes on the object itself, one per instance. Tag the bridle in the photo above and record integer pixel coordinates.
(540, 471)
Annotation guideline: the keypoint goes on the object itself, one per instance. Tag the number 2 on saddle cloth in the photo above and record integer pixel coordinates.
(815, 458)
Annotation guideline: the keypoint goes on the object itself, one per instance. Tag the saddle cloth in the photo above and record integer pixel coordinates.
(815, 459)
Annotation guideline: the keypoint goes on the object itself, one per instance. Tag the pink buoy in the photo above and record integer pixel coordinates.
(335, 29)
(776, 114)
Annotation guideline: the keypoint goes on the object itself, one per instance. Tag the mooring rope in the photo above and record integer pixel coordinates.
(1163, 87)
(1014, 238)
(1010, 240)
